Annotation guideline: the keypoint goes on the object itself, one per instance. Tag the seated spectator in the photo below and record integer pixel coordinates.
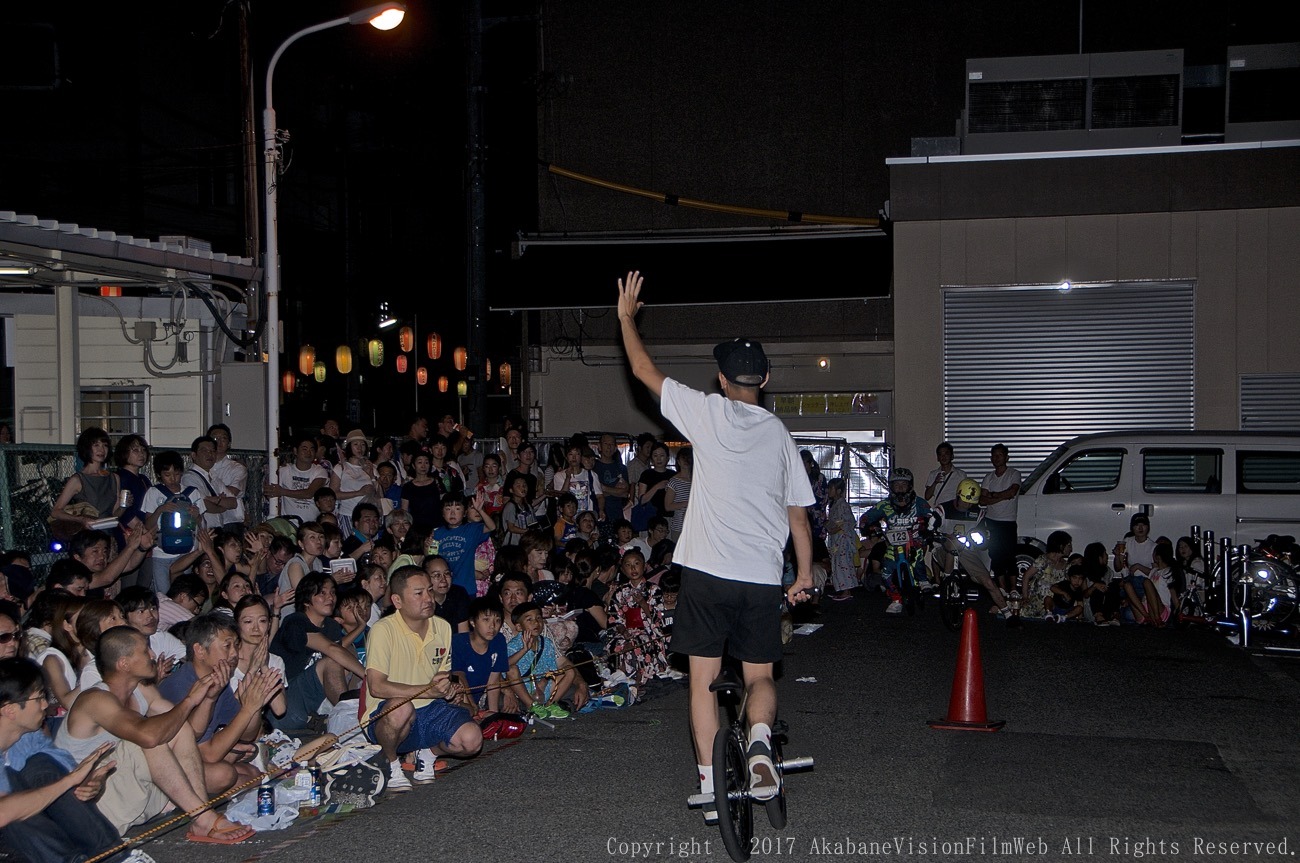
(1068, 596)
(157, 758)
(625, 538)
(94, 618)
(479, 655)
(316, 664)
(228, 544)
(374, 581)
(1047, 570)
(184, 599)
(533, 656)
(140, 606)
(536, 547)
(16, 567)
(450, 601)
(656, 531)
(459, 538)
(384, 553)
(671, 586)
(661, 560)
(174, 535)
(584, 608)
(311, 543)
(366, 529)
(566, 519)
(70, 575)
(397, 524)
(46, 797)
(352, 611)
(326, 503)
(636, 624)
(52, 643)
(588, 528)
(257, 625)
(94, 550)
(233, 588)
(513, 590)
(226, 727)
(409, 656)
(269, 564)
(1105, 591)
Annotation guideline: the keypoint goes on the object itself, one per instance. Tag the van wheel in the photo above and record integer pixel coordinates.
(1025, 557)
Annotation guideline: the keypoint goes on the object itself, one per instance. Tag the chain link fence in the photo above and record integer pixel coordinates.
(32, 476)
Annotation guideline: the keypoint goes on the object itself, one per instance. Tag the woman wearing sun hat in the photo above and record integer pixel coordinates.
(353, 479)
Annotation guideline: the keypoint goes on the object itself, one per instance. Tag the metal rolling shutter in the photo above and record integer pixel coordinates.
(1034, 366)
(1270, 401)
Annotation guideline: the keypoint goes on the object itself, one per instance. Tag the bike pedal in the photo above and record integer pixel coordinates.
(695, 801)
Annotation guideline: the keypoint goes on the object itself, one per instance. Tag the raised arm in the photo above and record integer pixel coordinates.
(629, 303)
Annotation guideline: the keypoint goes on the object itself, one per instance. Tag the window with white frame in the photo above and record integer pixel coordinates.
(117, 410)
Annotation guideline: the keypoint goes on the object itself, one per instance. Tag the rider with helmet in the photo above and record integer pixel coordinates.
(966, 536)
(905, 516)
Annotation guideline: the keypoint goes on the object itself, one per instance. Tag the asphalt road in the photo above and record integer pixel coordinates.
(1120, 743)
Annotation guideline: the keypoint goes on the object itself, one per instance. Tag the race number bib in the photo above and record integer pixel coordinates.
(897, 536)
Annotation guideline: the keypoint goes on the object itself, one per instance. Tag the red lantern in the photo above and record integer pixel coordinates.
(460, 358)
(401, 364)
(406, 339)
(434, 346)
(287, 381)
(422, 376)
(504, 374)
(442, 384)
(306, 359)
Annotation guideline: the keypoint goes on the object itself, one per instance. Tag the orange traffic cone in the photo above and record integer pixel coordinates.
(966, 705)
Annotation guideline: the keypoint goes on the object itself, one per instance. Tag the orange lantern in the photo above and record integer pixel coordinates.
(318, 372)
(406, 339)
(376, 351)
(401, 364)
(306, 359)
(460, 358)
(487, 370)
(434, 346)
(287, 381)
(442, 384)
(421, 376)
(343, 359)
(504, 373)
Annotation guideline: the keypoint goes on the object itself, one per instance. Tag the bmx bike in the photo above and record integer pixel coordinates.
(731, 795)
(956, 590)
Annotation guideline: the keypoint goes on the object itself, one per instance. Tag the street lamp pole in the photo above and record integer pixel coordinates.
(385, 16)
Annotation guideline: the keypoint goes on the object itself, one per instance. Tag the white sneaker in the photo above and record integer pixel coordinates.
(397, 780)
(671, 674)
(895, 607)
(425, 762)
(924, 584)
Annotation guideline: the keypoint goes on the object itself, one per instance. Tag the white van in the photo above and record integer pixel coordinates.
(1240, 484)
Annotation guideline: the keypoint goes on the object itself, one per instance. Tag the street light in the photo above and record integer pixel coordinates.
(385, 16)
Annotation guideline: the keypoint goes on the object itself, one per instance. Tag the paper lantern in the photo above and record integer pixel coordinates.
(504, 374)
(306, 359)
(318, 372)
(434, 346)
(375, 349)
(462, 389)
(343, 359)
(401, 364)
(460, 357)
(442, 384)
(421, 376)
(487, 370)
(406, 339)
(288, 381)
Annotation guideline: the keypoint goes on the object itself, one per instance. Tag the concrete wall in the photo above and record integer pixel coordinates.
(1244, 263)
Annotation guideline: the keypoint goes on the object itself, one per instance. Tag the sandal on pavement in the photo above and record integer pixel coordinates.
(223, 832)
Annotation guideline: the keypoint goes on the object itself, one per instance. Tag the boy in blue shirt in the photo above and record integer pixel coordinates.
(456, 542)
(481, 655)
(532, 654)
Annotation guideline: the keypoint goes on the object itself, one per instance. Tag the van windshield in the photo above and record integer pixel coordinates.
(1043, 467)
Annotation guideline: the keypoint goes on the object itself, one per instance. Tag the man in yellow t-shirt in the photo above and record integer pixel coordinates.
(408, 658)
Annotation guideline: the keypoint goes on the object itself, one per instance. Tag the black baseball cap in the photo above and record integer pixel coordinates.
(742, 361)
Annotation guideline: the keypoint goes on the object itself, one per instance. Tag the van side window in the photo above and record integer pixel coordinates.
(1268, 472)
(1182, 471)
(1090, 470)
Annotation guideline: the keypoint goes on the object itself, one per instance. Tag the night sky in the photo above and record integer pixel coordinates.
(132, 122)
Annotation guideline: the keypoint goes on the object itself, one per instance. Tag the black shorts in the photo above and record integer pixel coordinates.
(717, 614)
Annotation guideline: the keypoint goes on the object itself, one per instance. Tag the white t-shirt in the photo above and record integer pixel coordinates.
(1003, 510)
(296, 480)
(584, 486)
(1139, 554)
(272, 661)
(231, 473)
(156, 496)
(944, 489)
(352, 477)
(747, 473)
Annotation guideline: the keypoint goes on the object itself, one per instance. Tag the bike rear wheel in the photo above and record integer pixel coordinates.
(730, 793)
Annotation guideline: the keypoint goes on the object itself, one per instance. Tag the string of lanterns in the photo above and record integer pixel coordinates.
(373, 349)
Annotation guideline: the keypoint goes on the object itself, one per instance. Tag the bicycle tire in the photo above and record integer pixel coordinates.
(776, 807)
(730, 793)
(952, 601)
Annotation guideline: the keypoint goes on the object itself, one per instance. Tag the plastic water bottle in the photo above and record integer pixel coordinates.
(317, 786)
